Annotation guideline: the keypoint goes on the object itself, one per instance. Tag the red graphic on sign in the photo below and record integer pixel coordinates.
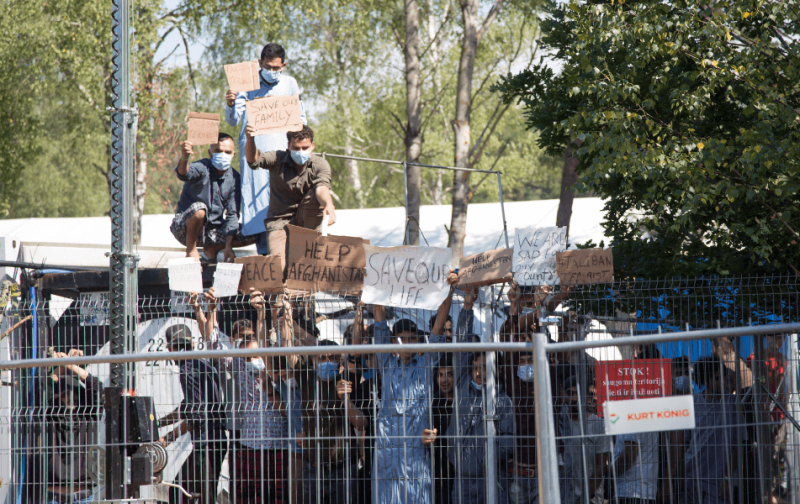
(632, 379)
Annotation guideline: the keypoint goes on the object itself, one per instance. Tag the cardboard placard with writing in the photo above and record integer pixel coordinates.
(274, 114)
(262, 273)
(535, 254)
(203, 128)
(407, 277)
(486, 268)
(316, 263)
(587, 266)
(243, 77)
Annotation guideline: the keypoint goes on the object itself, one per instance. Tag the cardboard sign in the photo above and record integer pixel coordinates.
(535, 255)
(274, 114)
(649, 415)
(262, 273)
(407, 277)
(323, 264)
(243, 77)
(586, 266)
(226, 279)
(617, 380)
(486, 268)
(203, 128)
(185, 275)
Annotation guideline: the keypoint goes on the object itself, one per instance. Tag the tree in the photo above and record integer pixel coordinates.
(689, 116)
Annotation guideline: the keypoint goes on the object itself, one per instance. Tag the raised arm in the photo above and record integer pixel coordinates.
(235, 107)
(444, 308)
(258, 302)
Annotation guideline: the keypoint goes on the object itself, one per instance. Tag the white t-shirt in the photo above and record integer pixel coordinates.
(594, 441)
(641, 480)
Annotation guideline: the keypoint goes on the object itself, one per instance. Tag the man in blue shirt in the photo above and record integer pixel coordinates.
(255, 183)
(206, 213)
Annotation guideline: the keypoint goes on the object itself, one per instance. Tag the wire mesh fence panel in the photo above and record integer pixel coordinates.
(291, 406)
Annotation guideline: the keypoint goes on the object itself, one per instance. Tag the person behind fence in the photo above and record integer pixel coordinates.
(73, 401)
(402, 472)
(201, 413)
(467, 432)
(300, 186)
(711, 460)
(586, 445)
(255, 190)
(206, 214)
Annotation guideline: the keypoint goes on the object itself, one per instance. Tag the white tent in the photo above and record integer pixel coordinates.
(83, 241)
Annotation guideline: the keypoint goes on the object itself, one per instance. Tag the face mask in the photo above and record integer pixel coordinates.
(255, 366)
(327, 371)
(301, 157)
(270, 76)
(682, 384)
(475, 385)
(291, 382)
(525, 373)
(221, 161)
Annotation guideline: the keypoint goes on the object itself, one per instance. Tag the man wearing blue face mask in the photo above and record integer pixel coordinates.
(300, 186)
(256, 183)
(206, 213)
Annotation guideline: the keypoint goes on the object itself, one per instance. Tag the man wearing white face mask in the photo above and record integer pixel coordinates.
(256, 196)
(206, 213)
(300, 186)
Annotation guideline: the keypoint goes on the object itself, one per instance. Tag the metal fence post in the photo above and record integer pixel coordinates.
(546, 452)
(491, 415)
(793, 453)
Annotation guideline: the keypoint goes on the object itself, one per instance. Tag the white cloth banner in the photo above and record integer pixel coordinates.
(185, 275)
(407, 277)
(535, 255)
(226, 279)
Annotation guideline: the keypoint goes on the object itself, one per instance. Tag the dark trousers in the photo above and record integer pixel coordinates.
(258, 476)
(335, 486)
(200, 473)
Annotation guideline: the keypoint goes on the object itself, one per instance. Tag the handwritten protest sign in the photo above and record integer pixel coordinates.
(203, 128)
(486, 268)
(407, 277)
(535, 254)
(617, 380)
(323, 263)
(586, 266)
(274, 114)
(185, 275)
(226, 279)
(243, 77)
(262, 273)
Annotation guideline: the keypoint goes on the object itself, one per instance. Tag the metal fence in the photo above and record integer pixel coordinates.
(318, 399)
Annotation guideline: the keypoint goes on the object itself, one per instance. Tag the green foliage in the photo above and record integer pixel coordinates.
(689, 117)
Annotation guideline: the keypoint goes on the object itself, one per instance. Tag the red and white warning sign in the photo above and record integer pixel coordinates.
(624, 380)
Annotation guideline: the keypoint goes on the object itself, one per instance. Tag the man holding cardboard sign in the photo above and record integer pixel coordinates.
(206, 213)
(300, 187)
(255, 183)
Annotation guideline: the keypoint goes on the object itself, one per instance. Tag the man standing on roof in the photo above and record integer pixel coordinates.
(300, 186)
(255, 184)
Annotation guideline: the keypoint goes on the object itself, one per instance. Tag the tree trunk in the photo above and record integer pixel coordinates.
(569, 177)
(353, 176)
(414, 117)
(461, 127)
(140, 191)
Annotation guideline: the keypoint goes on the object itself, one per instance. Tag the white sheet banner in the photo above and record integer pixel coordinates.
(226, 279)
(185, 275)
(407, 277)
(535, 255)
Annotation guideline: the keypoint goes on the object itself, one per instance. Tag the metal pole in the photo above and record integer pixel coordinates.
(546, 452)
(122, 276)
(405, 193)
(792, 451)
(502, 208)
(490, 414)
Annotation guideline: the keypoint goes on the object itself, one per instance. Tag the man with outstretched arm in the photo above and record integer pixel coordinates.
(300, 186)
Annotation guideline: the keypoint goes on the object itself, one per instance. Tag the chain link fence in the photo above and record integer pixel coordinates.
(317, 399)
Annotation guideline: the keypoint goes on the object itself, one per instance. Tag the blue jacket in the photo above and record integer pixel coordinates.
(201, 183)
